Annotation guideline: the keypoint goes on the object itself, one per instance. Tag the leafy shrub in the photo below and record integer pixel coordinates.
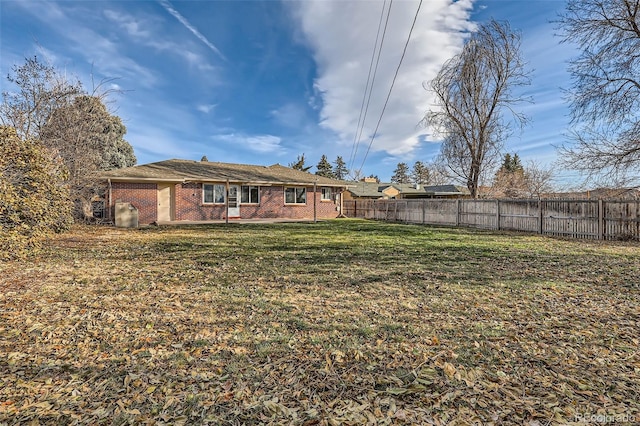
(34, 201)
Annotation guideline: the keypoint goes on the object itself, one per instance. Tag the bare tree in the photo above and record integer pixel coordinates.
(473, 91)
(439, 173)
(74, 127)
(538, 179)
(605, 91)
(40, 91)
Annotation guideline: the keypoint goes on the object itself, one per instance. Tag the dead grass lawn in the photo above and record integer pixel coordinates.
(341, 322)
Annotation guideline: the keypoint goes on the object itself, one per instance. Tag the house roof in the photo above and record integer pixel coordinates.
(206, 171)
(375, 189)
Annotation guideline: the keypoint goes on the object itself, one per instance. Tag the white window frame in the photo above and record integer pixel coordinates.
(217, 189)
(326, 193)
(296, 190)
(249, 188)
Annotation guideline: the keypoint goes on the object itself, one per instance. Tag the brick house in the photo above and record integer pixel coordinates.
(186, 190)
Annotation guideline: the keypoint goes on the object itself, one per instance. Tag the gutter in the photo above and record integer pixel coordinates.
(210, 180)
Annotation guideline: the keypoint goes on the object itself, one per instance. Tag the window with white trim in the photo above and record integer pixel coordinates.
(326, 194)
(213, 193)
(295, 195)
(250, 194)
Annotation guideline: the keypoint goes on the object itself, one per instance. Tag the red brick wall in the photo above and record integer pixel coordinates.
(272, 206)
(189, 206)
(143, 196)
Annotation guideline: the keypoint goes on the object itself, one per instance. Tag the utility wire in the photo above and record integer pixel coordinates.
(391, 88)
(362, 118)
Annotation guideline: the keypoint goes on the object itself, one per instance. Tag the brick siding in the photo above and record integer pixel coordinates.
(143, 196)
(188, 203)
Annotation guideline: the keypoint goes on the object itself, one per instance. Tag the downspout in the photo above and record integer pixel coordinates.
(109, 199)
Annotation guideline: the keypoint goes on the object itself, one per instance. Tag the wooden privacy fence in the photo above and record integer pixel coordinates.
(593, 219)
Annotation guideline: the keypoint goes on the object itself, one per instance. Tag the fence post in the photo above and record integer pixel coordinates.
(458, 212)
(498, 214)
(424, 206)
(374, 210)
(395, 211)
(540, 216)
(600, 219)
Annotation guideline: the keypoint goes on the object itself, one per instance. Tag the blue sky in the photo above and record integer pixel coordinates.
(261, 82)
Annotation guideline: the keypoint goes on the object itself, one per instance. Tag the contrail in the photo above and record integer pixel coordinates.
(169, 8)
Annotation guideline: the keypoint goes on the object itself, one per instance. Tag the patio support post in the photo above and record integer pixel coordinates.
(226, 203)
(315, 202)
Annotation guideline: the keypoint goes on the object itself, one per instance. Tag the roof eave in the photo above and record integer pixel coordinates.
(233, 181)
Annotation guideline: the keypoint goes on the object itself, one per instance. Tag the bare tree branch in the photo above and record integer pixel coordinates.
(605, 91)
(473, 91)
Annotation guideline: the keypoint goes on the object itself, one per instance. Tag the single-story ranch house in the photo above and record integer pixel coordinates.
(186, 190)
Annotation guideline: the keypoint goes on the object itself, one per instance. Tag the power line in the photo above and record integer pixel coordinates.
(415, 18)
(366, 88)
(358, 132)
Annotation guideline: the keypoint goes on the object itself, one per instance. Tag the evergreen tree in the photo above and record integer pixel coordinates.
(340, 170)
(420, 173)
(510, 178)
(299, 164)
(506, 162)
(511, 164)
(401, 174)
(88, 139)
(324, 168)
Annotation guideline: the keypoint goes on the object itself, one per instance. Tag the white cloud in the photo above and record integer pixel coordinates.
(258, 143)
(206, 109)
(96, 49)
(134, 27)
(343, 55)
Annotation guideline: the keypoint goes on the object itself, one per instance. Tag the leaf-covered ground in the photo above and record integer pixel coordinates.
(341, 322)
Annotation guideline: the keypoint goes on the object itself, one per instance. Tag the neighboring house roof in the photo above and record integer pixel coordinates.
(377, 190)
(367, 189)
(206, 171)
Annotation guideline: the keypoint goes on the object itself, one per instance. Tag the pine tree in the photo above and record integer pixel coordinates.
(299, 164)
(324, 168)
(340, 170)
(401, 174)
(510, 178)
(511, 164)
(420, 173)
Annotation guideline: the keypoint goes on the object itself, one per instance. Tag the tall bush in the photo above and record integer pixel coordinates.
(34, 199)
